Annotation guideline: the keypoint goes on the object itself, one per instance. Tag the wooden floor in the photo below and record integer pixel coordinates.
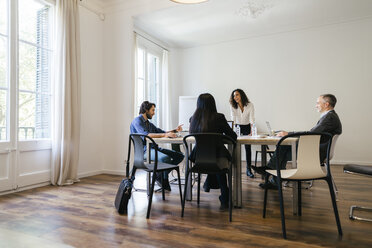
(82, 215)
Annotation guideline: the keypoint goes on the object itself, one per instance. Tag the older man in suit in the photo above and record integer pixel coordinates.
(329, 122)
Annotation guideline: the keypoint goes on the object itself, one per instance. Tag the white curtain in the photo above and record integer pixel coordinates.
(166, 107)
(135, 73)
(66, 104)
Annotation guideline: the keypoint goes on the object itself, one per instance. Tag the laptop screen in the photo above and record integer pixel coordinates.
(268, 127)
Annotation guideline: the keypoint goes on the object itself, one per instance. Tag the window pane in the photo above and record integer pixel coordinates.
(34, 71)
(3, 111)
(3, 61)
(27, 104)
(27, 67)
(141, 64)
(141, 92)
(3, 17)
(152, 77)
(29, 15)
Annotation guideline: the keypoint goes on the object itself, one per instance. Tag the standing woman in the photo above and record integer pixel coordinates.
(207, 120)
(242, 113)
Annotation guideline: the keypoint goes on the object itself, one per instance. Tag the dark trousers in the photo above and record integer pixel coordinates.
(215, 181)
(167, 156)
(246, 130)
(284, 155)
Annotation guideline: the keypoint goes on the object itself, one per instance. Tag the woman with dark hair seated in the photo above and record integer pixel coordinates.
(207, 120)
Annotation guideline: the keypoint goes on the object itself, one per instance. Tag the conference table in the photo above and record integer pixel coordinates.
(260, 140)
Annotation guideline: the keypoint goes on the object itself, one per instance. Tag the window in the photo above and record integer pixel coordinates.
(28, 69)
(148, 77)
(34, 73)
(4, 86)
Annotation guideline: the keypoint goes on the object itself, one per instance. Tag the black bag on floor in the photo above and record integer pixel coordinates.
(123, 195)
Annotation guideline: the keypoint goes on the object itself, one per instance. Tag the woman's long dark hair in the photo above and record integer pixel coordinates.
(243, 96)
(204, 113)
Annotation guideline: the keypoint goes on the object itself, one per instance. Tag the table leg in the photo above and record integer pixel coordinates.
(263, 155)
(295, 184)
(189, 180)
(237, 180)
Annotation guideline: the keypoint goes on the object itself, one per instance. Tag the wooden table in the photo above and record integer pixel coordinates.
(237, 168)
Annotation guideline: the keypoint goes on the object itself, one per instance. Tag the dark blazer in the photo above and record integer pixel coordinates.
(329, 123)
(218, 125)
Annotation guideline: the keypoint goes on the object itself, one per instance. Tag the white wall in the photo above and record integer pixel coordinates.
(91, 131)
(118, 90)
(283, 74)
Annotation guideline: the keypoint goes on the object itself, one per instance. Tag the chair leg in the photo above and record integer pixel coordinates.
(162, 185)
(151, 194)
(281, 207)
(179, 183)
(230, 194)
(184, 196)
(198, 200)
(332, 192)
(265, 196)
(335, 188)
(299, 207)
(255, 159)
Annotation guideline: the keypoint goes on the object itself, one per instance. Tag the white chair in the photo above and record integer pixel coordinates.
(308, 168)
(331, 154)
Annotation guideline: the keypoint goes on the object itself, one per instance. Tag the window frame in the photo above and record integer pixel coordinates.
(150, 48)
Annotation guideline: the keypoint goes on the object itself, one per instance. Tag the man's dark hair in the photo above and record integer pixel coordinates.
(331, 99)
(243, 96)
(146, 106)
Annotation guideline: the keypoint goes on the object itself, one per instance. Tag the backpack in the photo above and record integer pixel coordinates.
(123, 195)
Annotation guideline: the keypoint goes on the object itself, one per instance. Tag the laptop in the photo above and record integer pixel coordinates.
(269, 130)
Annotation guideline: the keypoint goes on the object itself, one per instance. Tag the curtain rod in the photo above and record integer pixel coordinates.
(151, 41)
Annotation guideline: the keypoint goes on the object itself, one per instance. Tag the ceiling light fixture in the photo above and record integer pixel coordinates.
(189, 1)
(253, 8)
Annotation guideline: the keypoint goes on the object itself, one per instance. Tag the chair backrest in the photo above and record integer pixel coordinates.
(333, 146)
(206, 148)
(139, 142)
(308, 158)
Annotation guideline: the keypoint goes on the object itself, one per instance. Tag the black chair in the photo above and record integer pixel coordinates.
(205, 161)
(308, 168)
(139, 142)
(361, 170)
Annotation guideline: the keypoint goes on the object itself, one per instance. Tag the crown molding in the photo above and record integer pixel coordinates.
(135, 6)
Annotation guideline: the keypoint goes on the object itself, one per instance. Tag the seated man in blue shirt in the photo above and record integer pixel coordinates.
(142, 125)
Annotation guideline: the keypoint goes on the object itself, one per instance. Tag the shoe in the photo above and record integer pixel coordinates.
(260, 170)
(249, 172)
(224, 206)
(268, 185)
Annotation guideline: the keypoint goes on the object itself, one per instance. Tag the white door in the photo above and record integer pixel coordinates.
(25, 92)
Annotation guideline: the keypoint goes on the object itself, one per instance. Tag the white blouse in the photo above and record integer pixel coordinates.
(243, 118)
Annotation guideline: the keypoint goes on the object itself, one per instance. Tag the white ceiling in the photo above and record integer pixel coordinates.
(217, 20)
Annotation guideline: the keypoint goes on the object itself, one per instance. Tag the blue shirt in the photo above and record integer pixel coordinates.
(140, 125)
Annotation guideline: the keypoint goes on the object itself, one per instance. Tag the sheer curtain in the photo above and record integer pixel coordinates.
(166, 107)
(66, 122)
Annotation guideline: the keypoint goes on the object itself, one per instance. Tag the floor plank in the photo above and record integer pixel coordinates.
(82, 215)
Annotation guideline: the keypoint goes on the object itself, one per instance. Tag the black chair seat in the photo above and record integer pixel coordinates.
(161, 167)
(360, 169)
